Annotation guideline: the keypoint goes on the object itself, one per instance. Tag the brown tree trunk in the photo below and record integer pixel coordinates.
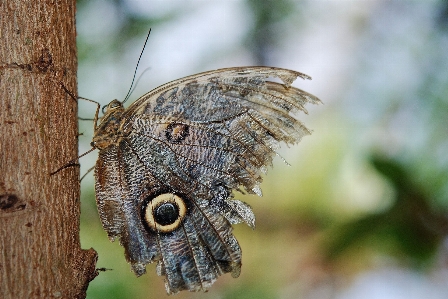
(40, 253)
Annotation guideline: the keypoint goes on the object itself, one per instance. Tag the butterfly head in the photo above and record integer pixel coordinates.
(115, 104)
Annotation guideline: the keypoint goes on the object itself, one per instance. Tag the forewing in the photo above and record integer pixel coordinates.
(234, 120)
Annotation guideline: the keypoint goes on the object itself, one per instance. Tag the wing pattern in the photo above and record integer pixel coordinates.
(168, 164)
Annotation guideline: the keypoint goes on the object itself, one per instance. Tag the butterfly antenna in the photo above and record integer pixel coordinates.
(136, 67)
(139, 77)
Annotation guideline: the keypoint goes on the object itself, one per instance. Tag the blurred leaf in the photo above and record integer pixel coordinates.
(264, 35)
(410, 229)
(258, 291)
(129, 25)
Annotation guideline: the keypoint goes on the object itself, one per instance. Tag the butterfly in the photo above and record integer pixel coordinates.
(169, 163)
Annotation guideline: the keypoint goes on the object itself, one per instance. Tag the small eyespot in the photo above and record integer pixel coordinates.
(177, 132)
(165, 212)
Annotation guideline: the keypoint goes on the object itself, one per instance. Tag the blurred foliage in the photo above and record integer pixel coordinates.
(265, 34)
(410, 229)
(128, 25)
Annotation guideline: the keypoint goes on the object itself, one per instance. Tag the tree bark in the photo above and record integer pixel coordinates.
(40, 253)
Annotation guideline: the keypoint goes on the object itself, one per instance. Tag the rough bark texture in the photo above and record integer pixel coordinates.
(40, 253)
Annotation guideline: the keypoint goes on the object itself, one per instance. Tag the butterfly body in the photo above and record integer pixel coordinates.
(168, 164)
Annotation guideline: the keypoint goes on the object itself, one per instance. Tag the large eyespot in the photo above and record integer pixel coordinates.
(165, 212)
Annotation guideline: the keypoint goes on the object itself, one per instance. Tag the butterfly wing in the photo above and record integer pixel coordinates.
(233, 118)
(184, 147)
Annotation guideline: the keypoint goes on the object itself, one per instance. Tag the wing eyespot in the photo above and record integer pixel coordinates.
(165, 212)
(177, 132)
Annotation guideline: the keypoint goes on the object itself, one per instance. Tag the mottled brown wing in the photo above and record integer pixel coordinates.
(168, 164)
(232, 121)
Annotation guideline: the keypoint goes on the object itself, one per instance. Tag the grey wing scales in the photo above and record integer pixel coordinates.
(192, 256)
(234, 124)
(196, 139)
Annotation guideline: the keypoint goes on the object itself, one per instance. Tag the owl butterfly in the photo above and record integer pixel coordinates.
(167, 166)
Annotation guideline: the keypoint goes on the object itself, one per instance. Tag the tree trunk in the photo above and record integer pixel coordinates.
(40, 253)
